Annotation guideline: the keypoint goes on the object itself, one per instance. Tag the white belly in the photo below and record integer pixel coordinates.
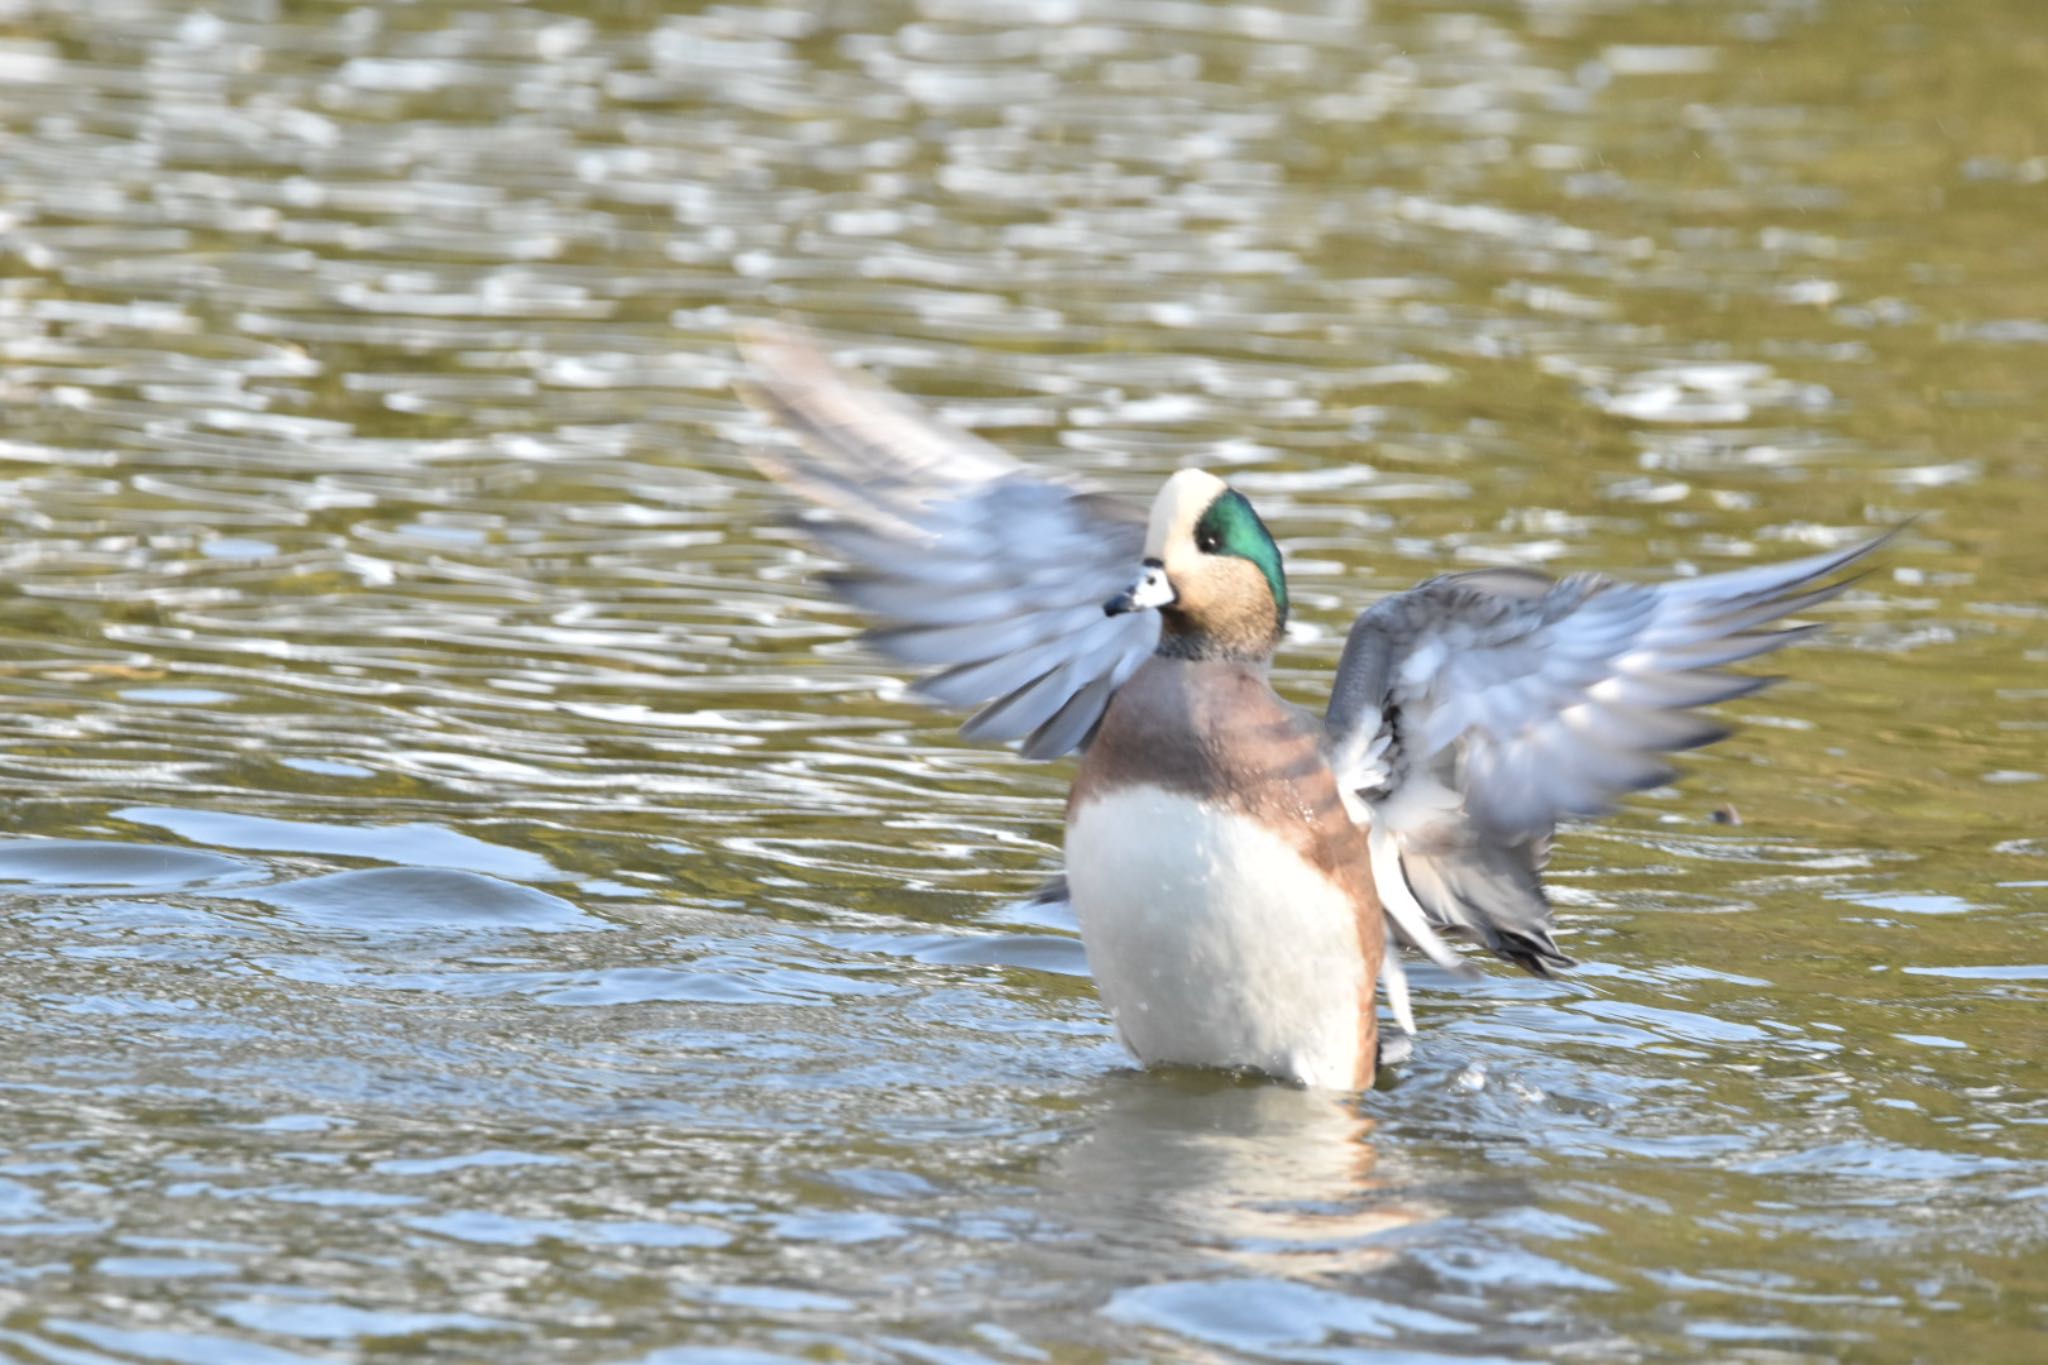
(1213, 942)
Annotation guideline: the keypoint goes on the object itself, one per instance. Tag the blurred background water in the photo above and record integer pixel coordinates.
(467, 896)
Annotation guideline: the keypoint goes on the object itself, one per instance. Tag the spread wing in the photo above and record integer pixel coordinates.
(977, 566)
(1474, 712)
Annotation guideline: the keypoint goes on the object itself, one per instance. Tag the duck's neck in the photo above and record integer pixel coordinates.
(1181, 638)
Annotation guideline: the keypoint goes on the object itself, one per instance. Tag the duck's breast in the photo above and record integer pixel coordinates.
(1224, 895)
(1215, 943)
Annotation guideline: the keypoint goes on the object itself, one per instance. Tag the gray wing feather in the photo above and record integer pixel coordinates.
(1474, 712)
(1488, 890)
(973, 564)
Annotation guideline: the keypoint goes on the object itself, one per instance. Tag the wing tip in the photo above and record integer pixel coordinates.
(767, 344)
(1544, 960)
(1709, 732)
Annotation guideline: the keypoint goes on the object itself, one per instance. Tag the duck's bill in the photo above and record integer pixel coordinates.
(1152, 590)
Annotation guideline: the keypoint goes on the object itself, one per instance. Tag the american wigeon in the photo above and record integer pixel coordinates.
(1237, 862)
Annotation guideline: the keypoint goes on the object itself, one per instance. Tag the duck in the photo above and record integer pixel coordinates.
(1246, 871)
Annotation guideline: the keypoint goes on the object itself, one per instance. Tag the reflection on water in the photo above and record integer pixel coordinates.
(1250, 1214)
(1258, 1173)
(467, 895)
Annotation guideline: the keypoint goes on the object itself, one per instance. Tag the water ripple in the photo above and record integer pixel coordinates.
(390, 606)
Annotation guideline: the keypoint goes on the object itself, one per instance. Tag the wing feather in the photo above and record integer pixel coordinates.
(974, 565)
(1474, 712)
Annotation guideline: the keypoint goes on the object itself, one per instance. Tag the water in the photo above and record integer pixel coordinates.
(468, 898)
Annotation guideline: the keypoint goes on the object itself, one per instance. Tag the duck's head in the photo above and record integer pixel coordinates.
(1211, 571)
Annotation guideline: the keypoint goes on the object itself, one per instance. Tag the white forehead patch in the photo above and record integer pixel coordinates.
(1178, 507)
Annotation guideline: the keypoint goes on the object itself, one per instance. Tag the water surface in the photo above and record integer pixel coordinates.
(467, 896)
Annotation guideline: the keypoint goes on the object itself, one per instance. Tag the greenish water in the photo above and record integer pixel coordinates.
(468, 897)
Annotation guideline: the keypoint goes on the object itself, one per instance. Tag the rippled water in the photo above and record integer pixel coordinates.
(468, 896)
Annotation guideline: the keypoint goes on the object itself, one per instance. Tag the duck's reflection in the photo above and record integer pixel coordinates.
(1274, 1179)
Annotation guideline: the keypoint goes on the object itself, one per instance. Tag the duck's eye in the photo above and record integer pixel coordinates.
(1206, 540)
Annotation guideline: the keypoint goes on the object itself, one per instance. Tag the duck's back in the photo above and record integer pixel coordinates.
(1224, 894)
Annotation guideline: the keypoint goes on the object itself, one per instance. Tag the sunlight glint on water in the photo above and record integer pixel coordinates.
(469, 897)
